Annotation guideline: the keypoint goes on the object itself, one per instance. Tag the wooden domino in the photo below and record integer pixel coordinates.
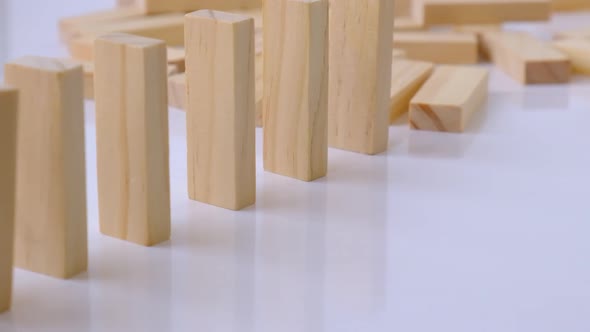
(407, 76)
(130, 83)
(431, 12)
(161, 6)
(440, 48)
(358, 100)
(449, 98)
(578, 51)
(220, 109)
(8, 123)
(69, 27)
(51, 235)
(296, 98)
(527, 59)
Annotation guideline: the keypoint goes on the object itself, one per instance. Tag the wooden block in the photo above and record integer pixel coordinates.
(82, 48)
(51, 236)
(358, 104)
(176, 56)
(8, 116)
(177, 91)
(583, 33)
(132, 138)
(480, 11)
(448, 98)
(407, 76)
(220, 109)
(479, 30)
(69, 27)
(578, 51)
(402, 8)
(527, 59)
(570, 5)
(296, 100)
(442, 48)
(407, 23)
(398, 53)
(161, 6)
(88, 80)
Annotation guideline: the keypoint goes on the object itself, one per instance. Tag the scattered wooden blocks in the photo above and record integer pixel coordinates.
(51, 235)
(163, 6)
(441, 48)
(448, 98)
(69, 27)
(578, 51)
(132, 138)
(480, 11)
(358, 104)
(526, 59)
(220, 109)
(296, 98)
(8, 123)
(407, 76)
(570, 5)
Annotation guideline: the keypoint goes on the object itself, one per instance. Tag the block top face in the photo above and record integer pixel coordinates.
(130, 40)
(450, 85)
(45, 64)
(218, 16)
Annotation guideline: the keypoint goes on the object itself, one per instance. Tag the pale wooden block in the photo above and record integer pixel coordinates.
(176, 57)
(162, 6)
(480, 11)
(407, 23)
(479, 30)
(441, 48)
(177, 91)
(574, 33)
(82, 48)
(8, 124)
(296, 102)
(132, 138)
(358, 104)
(220, 109)
(449, 98)
(570, 5)
(398, 53)
(88, 80)
(402, 8)
(578, 51)
(527, 59)
(51, 235)
(69, 27)
(407, 76)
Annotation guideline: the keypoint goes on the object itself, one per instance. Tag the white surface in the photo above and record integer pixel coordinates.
(485, 231)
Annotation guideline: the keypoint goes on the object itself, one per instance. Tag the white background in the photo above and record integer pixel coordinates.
(483, 231)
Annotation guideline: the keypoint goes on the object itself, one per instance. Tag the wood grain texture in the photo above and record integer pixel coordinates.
(578, 51)
(360, 74)
(296, 102)
(162, 6)
(8, 127)
(220, 109)
(69, 27)
(527, 59)
(407, 76)
(570, 5)
(132, 138)
(480, 11)
(440, 48)
(51, 236)
(448, 98)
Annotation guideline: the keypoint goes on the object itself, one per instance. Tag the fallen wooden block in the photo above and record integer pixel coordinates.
(431, 12)
(407, 23)
(296, 100)
(358, 106)
(8, 124)
(448, 98)
(69, 27)
(407, 76)
(51, 236)
(176, 57)
(527, 59)
(441, 48)
(578, 51)
(161, 6)
(479, 30)
(570, 5)
(220, 109)
(398, 53)
(133, 173)
(574, 33)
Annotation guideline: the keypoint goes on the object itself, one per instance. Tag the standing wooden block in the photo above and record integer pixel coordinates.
(448, 99)
(441, 48)
(8, 115)
(407, 76)
(220, 109)
(578, 51)
(527, 59)
(480, 11)
(130, 82)
(296, 107)
(51, 235)
(360, 74)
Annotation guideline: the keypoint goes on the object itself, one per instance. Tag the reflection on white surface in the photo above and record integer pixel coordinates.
(483, 231)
